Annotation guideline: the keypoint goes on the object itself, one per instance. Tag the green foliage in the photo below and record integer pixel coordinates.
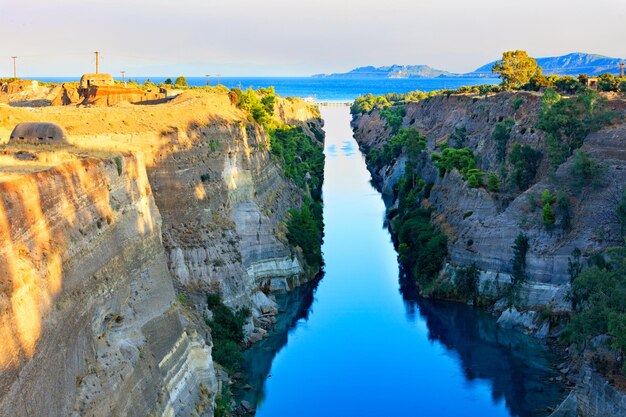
(259, 104)
(574, 266)
(598, 297)
(501, 135)
(547, 216)
(298, 155)
(493, 182)
(223, 406)
(393, 116)
(568, 121)
(516, 68)
(304, 229)
(525, 161)
(520, 249)
(450, 158)
(227, 333)
(408, 140)
(168, 81)
(181, 82)
(517, 103)
(547, 197)
(119, 165)
(366, 103)
(422, 246)
(206, 177)
(569, 85)
(467, 281)
(563, 210)
(607, 82)
(537, 82)
(586, 170)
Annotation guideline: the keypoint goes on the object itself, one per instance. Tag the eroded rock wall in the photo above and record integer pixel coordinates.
(89, 321)
(482, 225)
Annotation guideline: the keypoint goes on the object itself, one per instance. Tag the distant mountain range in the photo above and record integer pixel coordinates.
(570, 64)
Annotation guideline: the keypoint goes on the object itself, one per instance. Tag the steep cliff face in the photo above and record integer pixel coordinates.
(109, 259)
(482, 225)
(89, 322)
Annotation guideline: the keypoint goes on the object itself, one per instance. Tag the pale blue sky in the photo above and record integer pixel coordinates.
(286, 37)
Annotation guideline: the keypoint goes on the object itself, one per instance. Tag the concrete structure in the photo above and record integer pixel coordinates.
(592, 82)
(38, 133)
(90, 80)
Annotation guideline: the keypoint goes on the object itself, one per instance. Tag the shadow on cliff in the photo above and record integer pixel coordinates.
(517, 366)
(42, 217)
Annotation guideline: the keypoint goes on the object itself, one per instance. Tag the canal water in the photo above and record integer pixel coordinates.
(358, 343)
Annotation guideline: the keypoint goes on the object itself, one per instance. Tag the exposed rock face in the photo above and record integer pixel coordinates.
(88, 318)
(97, 250)
(482, 226)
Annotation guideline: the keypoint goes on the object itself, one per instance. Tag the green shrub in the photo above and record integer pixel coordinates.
(227, 333)
(408, 140)
(206, 177)
(467, 281)
(501, 135)
(393, 116)
(493, 182)
(520, 249)
(517, 103)
(181, 82)
(586, 170)
(304, 229)
(458, 137)
(118, 164)
(598, 297)
(525, 161)
(564, 212)
(547, 216)
(298, 156)
(621, 211)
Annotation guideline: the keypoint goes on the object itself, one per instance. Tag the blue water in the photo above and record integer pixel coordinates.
(359, 345)
(323, 89)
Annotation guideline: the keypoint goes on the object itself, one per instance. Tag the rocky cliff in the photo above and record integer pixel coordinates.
(482, 223)
(111, 244)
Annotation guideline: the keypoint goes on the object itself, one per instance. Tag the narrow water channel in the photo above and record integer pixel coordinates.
(357, 345)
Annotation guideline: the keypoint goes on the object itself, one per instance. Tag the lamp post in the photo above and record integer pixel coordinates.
(14, 67)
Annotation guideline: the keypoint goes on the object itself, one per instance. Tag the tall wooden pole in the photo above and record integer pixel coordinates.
(123, 72)
(97, 56)
(14, 67)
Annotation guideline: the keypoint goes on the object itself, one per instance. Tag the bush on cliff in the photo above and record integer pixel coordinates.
(301, 159)
(393, 116)
(408, 140)
(501, 134)
(304, 229)
(525, 161)
(598, 297)
(227, 333)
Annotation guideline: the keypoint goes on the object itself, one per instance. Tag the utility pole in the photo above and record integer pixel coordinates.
(97, 57)
(208, 80)
(123, 72)
(218, 79)
(621, 69)
(14, 67)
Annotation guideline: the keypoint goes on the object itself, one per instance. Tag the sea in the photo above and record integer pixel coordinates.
(320, 89)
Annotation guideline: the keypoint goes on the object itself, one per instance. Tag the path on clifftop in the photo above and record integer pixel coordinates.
(365, 348)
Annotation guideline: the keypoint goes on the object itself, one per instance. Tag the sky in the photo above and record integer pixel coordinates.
(295, 38)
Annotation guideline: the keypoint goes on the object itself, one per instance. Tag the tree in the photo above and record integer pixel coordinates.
(168, 81)
(547, 216)
(525, 161)
(501, 135)
(607, 82)
(562, 203)
(493, 182)
(516, 68)
(520, 248)
(181, 82)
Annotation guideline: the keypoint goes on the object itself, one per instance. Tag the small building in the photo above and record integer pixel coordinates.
(99, 80)
(38, 133)
(592, 82)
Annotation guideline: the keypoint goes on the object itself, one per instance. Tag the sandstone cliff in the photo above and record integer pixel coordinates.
(111, 244)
